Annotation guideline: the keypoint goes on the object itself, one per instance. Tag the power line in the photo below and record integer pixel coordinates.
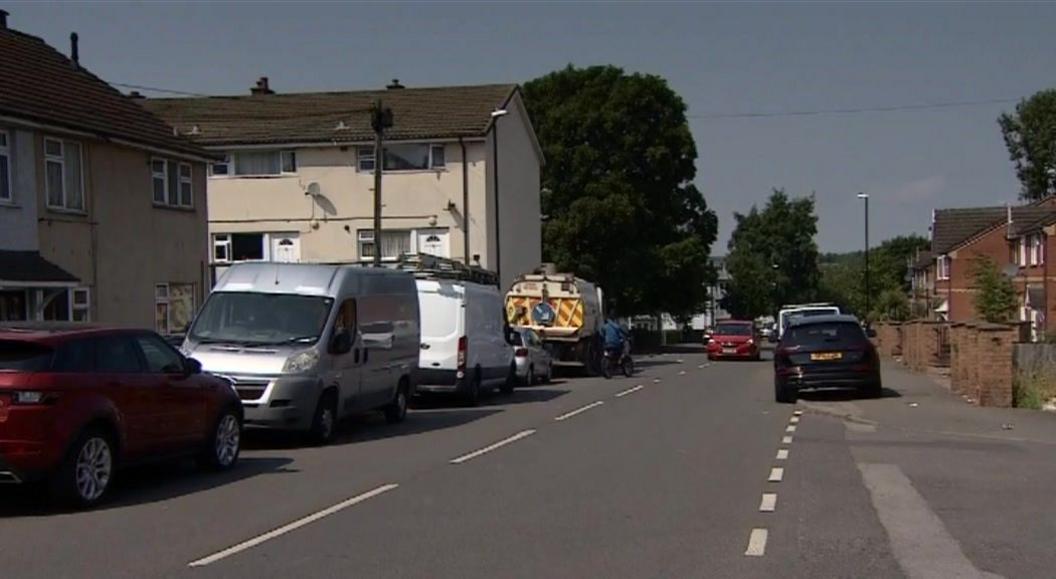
(851, 111)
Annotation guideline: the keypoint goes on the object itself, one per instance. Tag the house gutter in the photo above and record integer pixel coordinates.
(465, 202)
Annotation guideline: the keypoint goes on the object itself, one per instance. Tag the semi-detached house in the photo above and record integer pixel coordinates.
(102, 207)
(461, 170)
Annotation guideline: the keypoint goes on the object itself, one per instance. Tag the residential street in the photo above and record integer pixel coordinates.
(662, 481)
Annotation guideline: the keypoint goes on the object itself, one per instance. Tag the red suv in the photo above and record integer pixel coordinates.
(77, 403)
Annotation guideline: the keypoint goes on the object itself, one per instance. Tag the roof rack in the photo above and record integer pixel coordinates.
(426, 266)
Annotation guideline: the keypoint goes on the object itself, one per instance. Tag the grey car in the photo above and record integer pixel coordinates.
(534, 362)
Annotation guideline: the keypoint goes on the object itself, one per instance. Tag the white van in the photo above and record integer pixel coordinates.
(307, 345)
(465, 346)
(788, 312)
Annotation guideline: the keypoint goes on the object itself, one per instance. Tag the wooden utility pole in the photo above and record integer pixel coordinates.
(380, 119)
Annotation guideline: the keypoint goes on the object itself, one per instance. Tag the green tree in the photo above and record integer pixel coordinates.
(892, 304)
(995, 298)
(1030, 136)
(617, 188)
(773, 258)
(843, 275)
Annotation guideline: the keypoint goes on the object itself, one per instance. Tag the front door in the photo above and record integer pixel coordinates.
(434, 242)
(285, 247)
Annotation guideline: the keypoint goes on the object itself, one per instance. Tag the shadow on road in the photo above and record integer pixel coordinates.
(143, 484)
(842, 395)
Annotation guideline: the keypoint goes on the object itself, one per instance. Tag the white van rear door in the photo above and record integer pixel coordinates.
(440, 307)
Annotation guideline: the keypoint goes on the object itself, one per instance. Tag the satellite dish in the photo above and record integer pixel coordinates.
(1010, 270)
(313, 189)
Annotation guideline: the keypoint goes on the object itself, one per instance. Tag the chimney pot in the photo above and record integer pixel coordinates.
(3, 19)
(75, 55)
(262, 87)
(135, 95)
(394, 85)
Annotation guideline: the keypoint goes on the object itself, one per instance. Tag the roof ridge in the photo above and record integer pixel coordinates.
(279, 95)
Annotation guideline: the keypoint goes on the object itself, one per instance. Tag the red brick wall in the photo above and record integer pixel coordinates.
(992, 244)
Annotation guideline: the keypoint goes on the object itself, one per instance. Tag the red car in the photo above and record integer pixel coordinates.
(734, 339)
(75, 404)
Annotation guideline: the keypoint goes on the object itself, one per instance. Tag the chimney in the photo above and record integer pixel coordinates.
(395, 85)
(75, 54)
(262, 87)
(135, 95)
(3, 19)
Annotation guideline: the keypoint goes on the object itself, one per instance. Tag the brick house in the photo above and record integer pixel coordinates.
(1014, 238)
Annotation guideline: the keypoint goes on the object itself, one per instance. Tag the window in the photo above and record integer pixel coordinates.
(75, 356)
(117, 355)
(1034, 244)
(404, 157)
(263, 163)
(173, 307)
(221, 168)
(80, 305)
(63, 175)
(222, 248)
(1021, 255)
(942, 266)
(186, 191)
(160, 357)
(346, 317)
(5, 167)
(172, 183)
(248, 247)
(393, 244)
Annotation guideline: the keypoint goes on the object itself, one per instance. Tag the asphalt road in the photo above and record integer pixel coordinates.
(689, 469)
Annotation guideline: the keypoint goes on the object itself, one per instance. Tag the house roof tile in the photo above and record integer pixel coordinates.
(954, 227)
(41, 85)
(418, 113)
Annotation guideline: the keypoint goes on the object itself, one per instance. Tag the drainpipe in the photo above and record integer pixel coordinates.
(1044, 283)
(465, 201)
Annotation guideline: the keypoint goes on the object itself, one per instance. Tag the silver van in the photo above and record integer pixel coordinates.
(307, 345)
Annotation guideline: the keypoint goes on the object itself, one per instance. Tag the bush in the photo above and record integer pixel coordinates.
(1033, 390)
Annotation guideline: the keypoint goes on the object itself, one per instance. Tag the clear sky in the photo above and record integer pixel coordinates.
(721, 58)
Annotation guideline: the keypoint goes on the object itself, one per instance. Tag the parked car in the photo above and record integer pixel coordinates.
(465, 345)
(306, 345)
(825, 351)
(734, 339)
(76, 404)
(534, 362)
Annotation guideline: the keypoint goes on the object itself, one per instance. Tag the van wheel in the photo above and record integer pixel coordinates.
(87, 471)
(324, 425)
(396, 411)
(511, 380)
(471, 397)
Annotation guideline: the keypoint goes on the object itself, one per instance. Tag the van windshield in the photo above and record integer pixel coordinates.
(259, 318)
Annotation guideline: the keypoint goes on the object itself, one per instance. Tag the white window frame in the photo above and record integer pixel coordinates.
(231, 161)
(164, 176)
(225, 240)
(161, 297)
(61, 160)
(5, 152)
(290, 154)
(228, 164)
(222, 240)
(181, 181)
(1021, 254)
(366, 152)
(85, 307)
(942, 268)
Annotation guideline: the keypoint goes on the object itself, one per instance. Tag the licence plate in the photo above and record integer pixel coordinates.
(825, 356)
(729, 350)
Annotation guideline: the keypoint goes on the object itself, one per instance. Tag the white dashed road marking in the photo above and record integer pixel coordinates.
(769, 503)
(786, 440)
(568, 415)
(630, 391)
(782, 454)
(492, 447)
(291, 526)
(756, 543)
(798, 413)
(793, 420)
(776, 474)
(790, 428)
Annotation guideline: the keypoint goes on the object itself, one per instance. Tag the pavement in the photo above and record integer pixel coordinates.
(688, 469)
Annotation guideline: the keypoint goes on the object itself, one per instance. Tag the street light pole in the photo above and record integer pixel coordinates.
(495, 116)
(865, 197)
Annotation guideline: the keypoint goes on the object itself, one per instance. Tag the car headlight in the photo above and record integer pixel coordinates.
(301, 362)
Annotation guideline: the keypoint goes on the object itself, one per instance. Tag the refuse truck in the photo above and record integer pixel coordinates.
(566, 312)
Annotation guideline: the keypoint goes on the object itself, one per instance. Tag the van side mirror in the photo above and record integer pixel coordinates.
(192, 366)
(511, 336)
(341, 343)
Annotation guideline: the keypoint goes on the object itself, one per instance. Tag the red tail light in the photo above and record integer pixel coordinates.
(521, 352)
(463, 345)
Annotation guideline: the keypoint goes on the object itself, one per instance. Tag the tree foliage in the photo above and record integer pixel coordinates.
(995, 297)
(1030, 136)
(617, 188)
(843, 277)
(773, 258)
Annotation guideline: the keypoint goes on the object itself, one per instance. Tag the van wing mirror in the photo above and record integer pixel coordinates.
(192, 366)
(341, 343)
(511, 336)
